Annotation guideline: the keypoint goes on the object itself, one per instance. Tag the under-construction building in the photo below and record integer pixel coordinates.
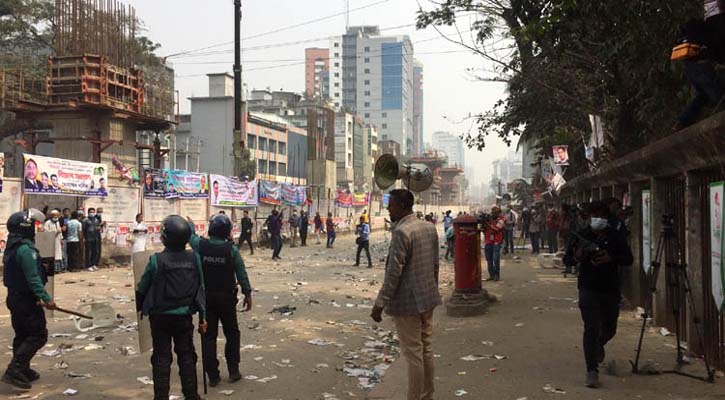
(96, 91)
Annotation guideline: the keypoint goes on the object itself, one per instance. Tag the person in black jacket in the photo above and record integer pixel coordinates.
(246, 232)
(600, 251)
(304, 227)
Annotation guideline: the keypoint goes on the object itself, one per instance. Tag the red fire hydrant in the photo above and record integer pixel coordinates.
(469, 298)
(467, 253)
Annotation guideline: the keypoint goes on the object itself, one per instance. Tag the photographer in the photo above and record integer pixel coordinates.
(600, 251)
(493, 231)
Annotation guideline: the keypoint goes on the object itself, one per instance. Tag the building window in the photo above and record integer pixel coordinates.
(367, 82)
(349, 158)
(385, 137)
(337, 74)
(251, 141)
(385, 126)
(337, 104)
(337, 64)
(272, 168)
(367, 70)
(367, 49)
(337, 94)
(336, 44)
(337, 54)
(262, 166)
(263, 144)
(367, 60)
(367, 93)
(367, 115)
(281, 169)
(367, 104)
(385, 115)
(337, 84)
(272, 146)
(282, 148)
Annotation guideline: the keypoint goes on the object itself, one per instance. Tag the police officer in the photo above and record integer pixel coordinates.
(171, 290)
(25, 280)
(223, 269)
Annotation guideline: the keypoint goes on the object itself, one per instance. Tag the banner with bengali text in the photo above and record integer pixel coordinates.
(232, 193)
(153, 182)
(343, 199)
(361, 199)
(717, 191)
(270, 192)
(185, 185)
(294, 195)
(57, 176)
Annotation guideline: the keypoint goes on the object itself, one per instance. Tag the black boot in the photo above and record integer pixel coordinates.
(234, 374)
(31, 375)
(16, 378)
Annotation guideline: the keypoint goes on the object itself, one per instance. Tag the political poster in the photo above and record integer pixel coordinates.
(2, 169)
(270, 192)
(3, 240)
(717, 190)
(646, 230)
(561, 154)
(343, 199)
(154, 184)
(294, 195)
(57, 176)
(185, 185)
(228, 192)
(360, 199)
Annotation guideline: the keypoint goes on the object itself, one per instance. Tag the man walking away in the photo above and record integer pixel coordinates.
(362, 231)
(294, 226)
(170, 291)
(450, 241)
(246, 234)
(410, 291)
(318, 226)
(223, 269)
(447, 221)
(330, 224)
(525, 223)
(274, 225)
(91, 235)
(304, 227)
(74, 230)
(537, 220)
(25, 279)
(600, 251)
(552, 226)
(509, 228)
(494, 237)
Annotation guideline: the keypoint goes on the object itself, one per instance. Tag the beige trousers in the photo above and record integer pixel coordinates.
(415, 333)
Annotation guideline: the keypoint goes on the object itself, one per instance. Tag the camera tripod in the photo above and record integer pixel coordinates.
(678, 288)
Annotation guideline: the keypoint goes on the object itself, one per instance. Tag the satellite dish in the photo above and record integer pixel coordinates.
(417, 178)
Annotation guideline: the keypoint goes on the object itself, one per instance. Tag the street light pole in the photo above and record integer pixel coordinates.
(238, 137)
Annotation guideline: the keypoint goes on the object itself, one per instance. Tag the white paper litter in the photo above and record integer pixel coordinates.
(145, 380)
(70, 392)
(461, 393)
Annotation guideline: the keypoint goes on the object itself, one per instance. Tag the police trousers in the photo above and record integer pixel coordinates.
(221, 307)
(31, 333)
(179, 329)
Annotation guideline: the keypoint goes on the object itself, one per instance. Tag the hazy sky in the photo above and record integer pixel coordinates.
(183, 25)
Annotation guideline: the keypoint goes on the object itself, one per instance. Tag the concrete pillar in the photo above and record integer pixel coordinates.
(693, 253)
(633, 278)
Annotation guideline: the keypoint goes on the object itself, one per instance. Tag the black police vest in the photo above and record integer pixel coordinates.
(13, 275)
(176, 284)
(218, 266)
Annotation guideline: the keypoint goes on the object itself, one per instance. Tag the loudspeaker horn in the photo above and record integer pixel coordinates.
(417, 178)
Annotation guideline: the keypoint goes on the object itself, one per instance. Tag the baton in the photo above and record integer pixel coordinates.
(77, 314)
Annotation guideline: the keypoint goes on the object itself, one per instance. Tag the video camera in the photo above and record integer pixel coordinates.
(483, 219)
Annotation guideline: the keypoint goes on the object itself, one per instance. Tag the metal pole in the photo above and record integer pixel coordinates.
(238, 137)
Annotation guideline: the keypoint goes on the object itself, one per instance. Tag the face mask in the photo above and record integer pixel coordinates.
(91, 215)
(598, 224)
(54, 219)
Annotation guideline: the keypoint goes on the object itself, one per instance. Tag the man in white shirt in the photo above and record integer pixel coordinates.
(140, 232)
(53, 225)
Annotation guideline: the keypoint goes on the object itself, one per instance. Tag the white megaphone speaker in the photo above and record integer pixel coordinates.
(417, 178)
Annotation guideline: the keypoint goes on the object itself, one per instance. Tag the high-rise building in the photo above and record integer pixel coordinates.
(372, 76)
(453, 146)
(418, 107)
(344, 131)
(317, 67)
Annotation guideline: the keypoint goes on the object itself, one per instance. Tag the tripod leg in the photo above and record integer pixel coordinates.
(698, 327)
(635, 364)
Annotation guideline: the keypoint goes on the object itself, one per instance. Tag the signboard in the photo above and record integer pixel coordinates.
(120, 206)
(9, 199)
(561, 154)
(360, 199)
(717, 190)
(232, 193)
(343, 199)
(646, 230)
(153, 183)
(185, 185)
(270, 192)
(294, 195)
(156, 210)
(2, 169)
(56, 176)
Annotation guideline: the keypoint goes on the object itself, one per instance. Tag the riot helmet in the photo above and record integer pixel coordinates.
(175, 232)
(22, 223)
(220, 226)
